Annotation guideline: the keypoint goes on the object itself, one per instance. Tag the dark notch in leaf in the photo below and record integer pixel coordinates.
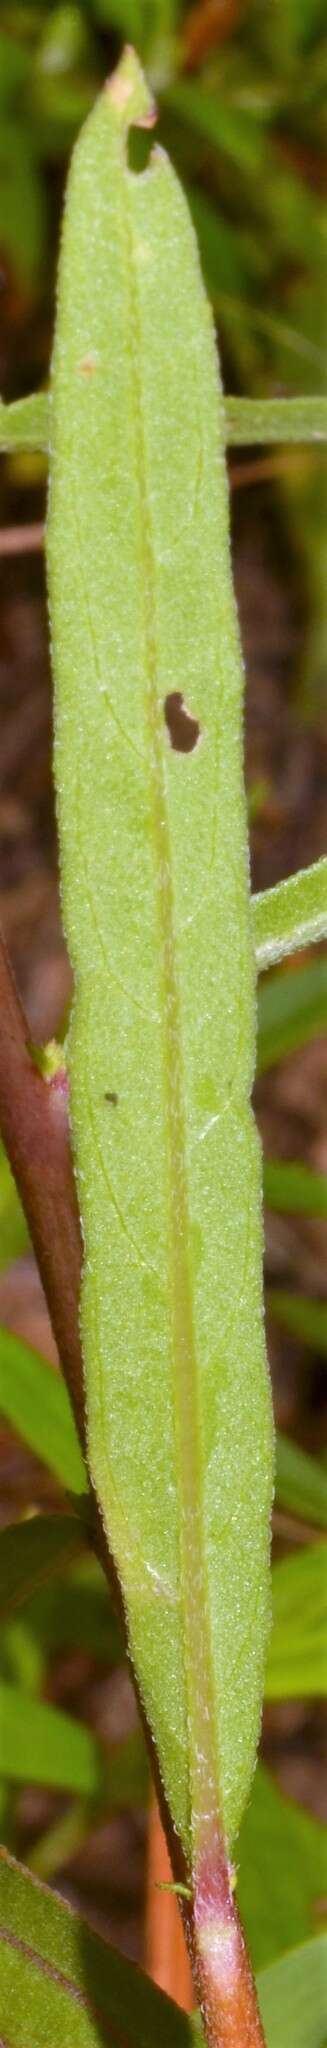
(184, 730)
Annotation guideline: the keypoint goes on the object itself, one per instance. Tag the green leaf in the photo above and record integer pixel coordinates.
(40, 1744)
(248, 421)
(60, 1984)
(292, 1009)
(252, 421)
(297, 1664)
(14, 1235)
(301, 1483)
(157, 916)
(30, 1552)
(22, 203)
(294, 1189)
(291, 915)
(76, 1614)
(25, 424)
(282, 1871)
(292, 1997)
(34, 1399)
(304, 1319)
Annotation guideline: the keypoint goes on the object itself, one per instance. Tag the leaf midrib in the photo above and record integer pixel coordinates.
(197, 1643)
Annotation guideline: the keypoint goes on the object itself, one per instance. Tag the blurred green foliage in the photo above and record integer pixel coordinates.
(240, 93)
(243, 118)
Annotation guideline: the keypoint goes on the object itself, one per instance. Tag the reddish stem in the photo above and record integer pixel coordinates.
(166, 1957)
(221, 1967)
(34, 1124)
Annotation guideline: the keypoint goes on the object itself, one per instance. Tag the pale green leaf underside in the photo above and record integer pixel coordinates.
(157, 915)
(248, 421)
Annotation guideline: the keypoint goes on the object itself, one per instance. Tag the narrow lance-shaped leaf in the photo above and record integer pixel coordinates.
(148, 678)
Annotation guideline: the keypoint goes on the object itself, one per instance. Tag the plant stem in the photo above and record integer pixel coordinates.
(166, 1957)
(221, 1967)
(34, 1123)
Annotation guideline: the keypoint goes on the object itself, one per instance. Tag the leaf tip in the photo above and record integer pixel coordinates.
(129, 93)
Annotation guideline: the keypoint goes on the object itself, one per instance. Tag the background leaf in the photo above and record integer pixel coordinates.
(14, 1235)
(292, 1009)
(294, 1189)
(304, 1319)
(297, 1664)
(30, 1552)
(292, 1998)
(301, 1482)
(64, 1983)
(40, 1743)
(34, 1398)
(282, 1871)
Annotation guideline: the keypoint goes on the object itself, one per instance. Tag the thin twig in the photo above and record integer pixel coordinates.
(166, 1958)
(22, 540)
(34, 1123)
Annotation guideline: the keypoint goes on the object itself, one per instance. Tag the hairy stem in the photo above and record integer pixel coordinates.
(221, 1967)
